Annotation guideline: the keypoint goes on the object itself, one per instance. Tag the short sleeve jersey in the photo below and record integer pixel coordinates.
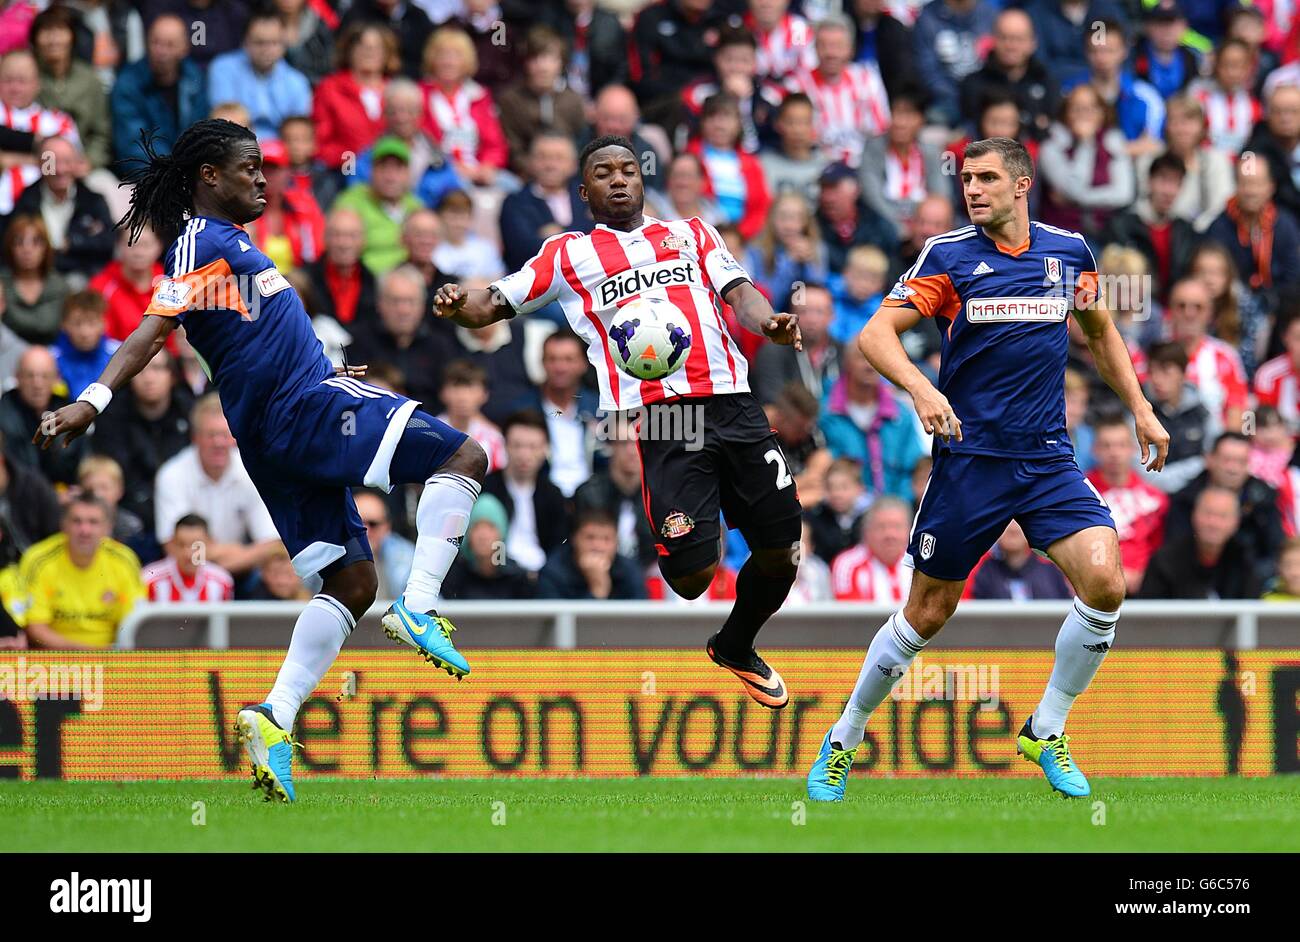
(1002, 314)
(245, 321)
(83, 605)
(593, 274)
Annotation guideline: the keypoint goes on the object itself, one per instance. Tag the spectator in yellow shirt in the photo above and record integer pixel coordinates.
(13, 600)
(80, 583)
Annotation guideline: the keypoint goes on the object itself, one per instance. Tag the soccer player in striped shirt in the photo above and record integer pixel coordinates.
(735, 464)
(1001, 291)
(308, 432)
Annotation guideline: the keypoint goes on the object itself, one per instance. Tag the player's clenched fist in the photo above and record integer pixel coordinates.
(448, 300)
(936, 415)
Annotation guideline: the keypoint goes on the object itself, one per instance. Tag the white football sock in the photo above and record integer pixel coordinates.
(440, 520)
(1085, 637)
(888, 657)
(318, 636)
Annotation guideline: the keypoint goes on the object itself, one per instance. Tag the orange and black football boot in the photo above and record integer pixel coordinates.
(761, 682)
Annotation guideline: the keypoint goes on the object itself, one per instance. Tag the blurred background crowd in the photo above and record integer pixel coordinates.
(410, 143)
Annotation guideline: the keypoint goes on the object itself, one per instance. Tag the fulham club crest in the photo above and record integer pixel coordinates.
(927, 545)
(1053, 266)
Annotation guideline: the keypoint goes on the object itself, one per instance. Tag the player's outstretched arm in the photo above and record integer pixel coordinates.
(476, 307)
(879, 343)
(1116, 367)
(130, 358)
(757, 315)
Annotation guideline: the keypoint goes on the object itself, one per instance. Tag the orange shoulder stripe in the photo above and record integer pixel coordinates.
(1085, 290)
(212, 287)
(932, 295)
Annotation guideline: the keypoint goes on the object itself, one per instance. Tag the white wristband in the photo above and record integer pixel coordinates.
(98, 395)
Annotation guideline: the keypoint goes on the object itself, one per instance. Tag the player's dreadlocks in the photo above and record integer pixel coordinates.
(164, 183)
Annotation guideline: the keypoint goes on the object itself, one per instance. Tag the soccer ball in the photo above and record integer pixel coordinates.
(649, 338)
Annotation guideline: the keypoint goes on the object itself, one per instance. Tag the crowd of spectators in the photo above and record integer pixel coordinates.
(410, 143)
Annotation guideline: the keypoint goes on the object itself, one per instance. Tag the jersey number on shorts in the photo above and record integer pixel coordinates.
(783, 478)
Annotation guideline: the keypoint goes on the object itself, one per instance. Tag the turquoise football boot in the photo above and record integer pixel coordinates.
(429, 634)
(269, 749)
(1052, 755)
(829, 775)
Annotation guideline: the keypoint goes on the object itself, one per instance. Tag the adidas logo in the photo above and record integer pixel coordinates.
(982, 269)
(244, 246)
(1101, 647)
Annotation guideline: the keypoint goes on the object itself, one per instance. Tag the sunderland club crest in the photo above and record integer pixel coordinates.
(677, 524)
(1053, 266)
(675, 243)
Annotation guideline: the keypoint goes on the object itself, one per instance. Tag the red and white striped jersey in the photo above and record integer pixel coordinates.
(1277, 384)
(164, 582)
(1229, 118)
(592, 275)
(904, 177)
(43, 122)
(848, 110)
(489, 438)
(1139, 512)
(784, 49)
(858, 576)
(1215, 369)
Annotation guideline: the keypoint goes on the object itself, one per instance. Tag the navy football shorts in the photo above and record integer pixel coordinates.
(970, 499)
(343, 433)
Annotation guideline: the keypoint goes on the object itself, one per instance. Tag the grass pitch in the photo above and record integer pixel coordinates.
(653, 815)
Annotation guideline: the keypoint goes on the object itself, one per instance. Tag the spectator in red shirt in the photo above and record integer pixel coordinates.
(348, 107)
(127, 282)
(184, 574)
(874, 570)
(1277, 381)
(461, 115)
(343, 287)
(1213, 366)
(305, 171)
(291, 230)
(1138, 508)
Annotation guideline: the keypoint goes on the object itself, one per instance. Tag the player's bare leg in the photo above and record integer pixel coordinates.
(762, 585)
(1090, 560)
(930, 603)
(441, 519)
(325, 623)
